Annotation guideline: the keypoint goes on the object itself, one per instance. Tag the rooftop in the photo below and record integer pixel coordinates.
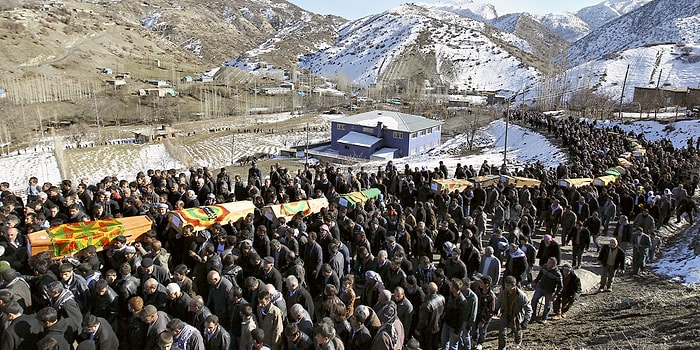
(359, 139)
(391, 120)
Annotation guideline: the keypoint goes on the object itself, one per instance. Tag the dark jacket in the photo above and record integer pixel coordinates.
(179, 308)
(301, 297)
(104, 338)
(431, 314)
(547, 251)
(219, 340)
(584, 237)
(62, 333)
(159, 298)
(218, 298)
(619, 258)
(571, 286)
(106, 306)
(361, 339)
(456, 308)
(22, 333)
(549, 280)
(68, 309)
(158, 327)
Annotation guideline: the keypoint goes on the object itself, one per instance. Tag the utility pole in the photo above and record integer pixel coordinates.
(622, 94)
(306, 152)
(233, 140)
(658, 95)
(505, 143)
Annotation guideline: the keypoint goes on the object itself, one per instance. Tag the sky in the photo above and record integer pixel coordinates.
(360, 8)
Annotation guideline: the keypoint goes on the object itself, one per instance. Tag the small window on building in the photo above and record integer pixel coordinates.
(429, 130)
(398, 135)
(414, 135)
(341, 126)
(346, 147)
(422, 133)
(368, 130)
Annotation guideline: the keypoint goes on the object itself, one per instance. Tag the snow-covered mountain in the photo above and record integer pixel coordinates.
(568, 25)
(483, 12)
(660, 42)
(658, 22)
(598, 15)
(426, 45)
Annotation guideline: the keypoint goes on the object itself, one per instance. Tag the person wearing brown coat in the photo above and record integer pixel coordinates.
(270, 320)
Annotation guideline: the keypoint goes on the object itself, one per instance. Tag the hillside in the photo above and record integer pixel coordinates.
(442, 48)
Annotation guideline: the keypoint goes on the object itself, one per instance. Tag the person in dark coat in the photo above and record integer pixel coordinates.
(215, 336)
(516, 263)
(581, 239)
(297, 294)
(154, 294)
(64, 303)
(100, 331)
(219, 290)
(470, 256)
(178, 302)
(360, 338)
(313, 257)
(570, 292)
(430, 318)
(548, 248)
(270, 274)
(149, 270)
(23, 331)
(157, 322)
(105, 302)
(296, 339)
(57, 329)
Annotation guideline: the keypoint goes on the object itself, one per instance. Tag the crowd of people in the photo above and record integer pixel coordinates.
(411, 268)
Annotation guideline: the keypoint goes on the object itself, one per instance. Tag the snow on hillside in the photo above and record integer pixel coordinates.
(669, 65)
(597, 15)
(566, 24)
(368, 49)
(658, 22)
(479, 11)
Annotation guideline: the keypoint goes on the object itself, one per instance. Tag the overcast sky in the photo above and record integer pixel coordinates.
(359, 8)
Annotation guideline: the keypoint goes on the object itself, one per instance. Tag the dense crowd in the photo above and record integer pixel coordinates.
(411, 268)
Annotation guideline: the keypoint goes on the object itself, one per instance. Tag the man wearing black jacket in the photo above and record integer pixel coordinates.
(612, 257)
(457, 310)
(569, 293)
(23, 331)
(100, 331)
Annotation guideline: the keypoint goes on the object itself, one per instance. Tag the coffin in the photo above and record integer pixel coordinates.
(450, 185)
(575, 183)
(204, 217)
(288, 210)
(68, 239)
(520, 182)
(604, 180)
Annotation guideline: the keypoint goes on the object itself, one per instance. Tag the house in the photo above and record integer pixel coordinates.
(155, 134)
(384, 135)
(186, 79)
(116, 82)
(651, 98)
(3, 93)
(160, 92)
(106, 70)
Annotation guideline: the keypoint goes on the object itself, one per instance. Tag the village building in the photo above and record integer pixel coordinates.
(651, 97)
(155, 133)
(380, 135)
